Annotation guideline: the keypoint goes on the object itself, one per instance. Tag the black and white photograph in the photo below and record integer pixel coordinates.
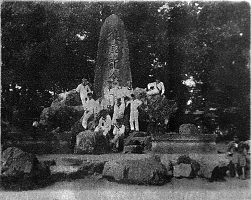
(125, 100)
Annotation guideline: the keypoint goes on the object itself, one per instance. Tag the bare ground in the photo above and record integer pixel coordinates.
(96, 188)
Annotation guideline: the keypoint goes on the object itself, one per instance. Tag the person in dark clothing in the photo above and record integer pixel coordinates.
(127, 116)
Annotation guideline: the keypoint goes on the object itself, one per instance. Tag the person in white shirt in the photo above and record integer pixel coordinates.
(160, 86)
(134, 113)
(91, 106)
(156, 87)
(105, 123)
(83, 89)
(119, 109)
(118, 132)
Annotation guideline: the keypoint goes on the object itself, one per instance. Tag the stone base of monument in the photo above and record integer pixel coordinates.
(185, 143)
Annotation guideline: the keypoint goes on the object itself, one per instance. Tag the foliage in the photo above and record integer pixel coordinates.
(160, 109)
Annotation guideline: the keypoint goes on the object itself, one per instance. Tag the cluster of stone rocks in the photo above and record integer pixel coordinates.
(19, 167)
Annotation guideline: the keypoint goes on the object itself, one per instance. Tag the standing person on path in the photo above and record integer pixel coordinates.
(134, 113)
(91, 107)
(83, 89)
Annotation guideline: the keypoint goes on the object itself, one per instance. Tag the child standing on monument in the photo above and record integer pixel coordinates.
(134, 113)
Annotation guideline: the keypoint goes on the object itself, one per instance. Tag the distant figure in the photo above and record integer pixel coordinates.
(134, 113)
(90, 109)
(119, 109)
(105, 123)
(118, 132)
(239, 153)
(35, 125)
(156, 87)
(83, 89)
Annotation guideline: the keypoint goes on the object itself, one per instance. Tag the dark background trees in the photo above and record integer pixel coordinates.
(48, 47)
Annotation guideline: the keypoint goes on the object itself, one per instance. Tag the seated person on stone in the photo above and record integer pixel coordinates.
(119, 109)
(105, 123)
(91, 107)
(156, 87)
(118, 133)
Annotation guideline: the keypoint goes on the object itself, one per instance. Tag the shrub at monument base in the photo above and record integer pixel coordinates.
(70, 98)
(188, 129)
(63, 117)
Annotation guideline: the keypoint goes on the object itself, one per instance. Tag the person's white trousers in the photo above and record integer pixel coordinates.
(134, 119)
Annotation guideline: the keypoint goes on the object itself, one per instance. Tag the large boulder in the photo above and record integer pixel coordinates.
(209, 163)
(148, 171)
(19, 167)
(16, 162)
(90, 142)
(188, 129)
(60, 116)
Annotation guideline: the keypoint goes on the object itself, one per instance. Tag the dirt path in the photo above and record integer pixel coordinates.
(91, 188)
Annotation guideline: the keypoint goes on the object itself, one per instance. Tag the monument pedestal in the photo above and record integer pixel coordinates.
(184, 144)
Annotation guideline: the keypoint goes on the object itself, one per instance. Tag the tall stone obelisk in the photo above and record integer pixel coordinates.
(113, 55)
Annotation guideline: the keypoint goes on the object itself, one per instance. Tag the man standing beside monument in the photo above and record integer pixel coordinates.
(134, 113)
(83, 89)
(91, 107)
(119, 109)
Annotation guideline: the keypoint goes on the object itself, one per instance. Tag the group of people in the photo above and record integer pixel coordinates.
(239, 153)
(117, 108)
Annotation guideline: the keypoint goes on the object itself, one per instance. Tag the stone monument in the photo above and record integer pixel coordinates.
(113, 55)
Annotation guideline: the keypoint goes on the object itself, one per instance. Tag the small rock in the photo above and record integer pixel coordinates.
(182, 170)
(85, 142)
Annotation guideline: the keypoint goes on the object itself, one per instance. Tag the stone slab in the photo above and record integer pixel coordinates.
(186, 143)
(174, 147)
